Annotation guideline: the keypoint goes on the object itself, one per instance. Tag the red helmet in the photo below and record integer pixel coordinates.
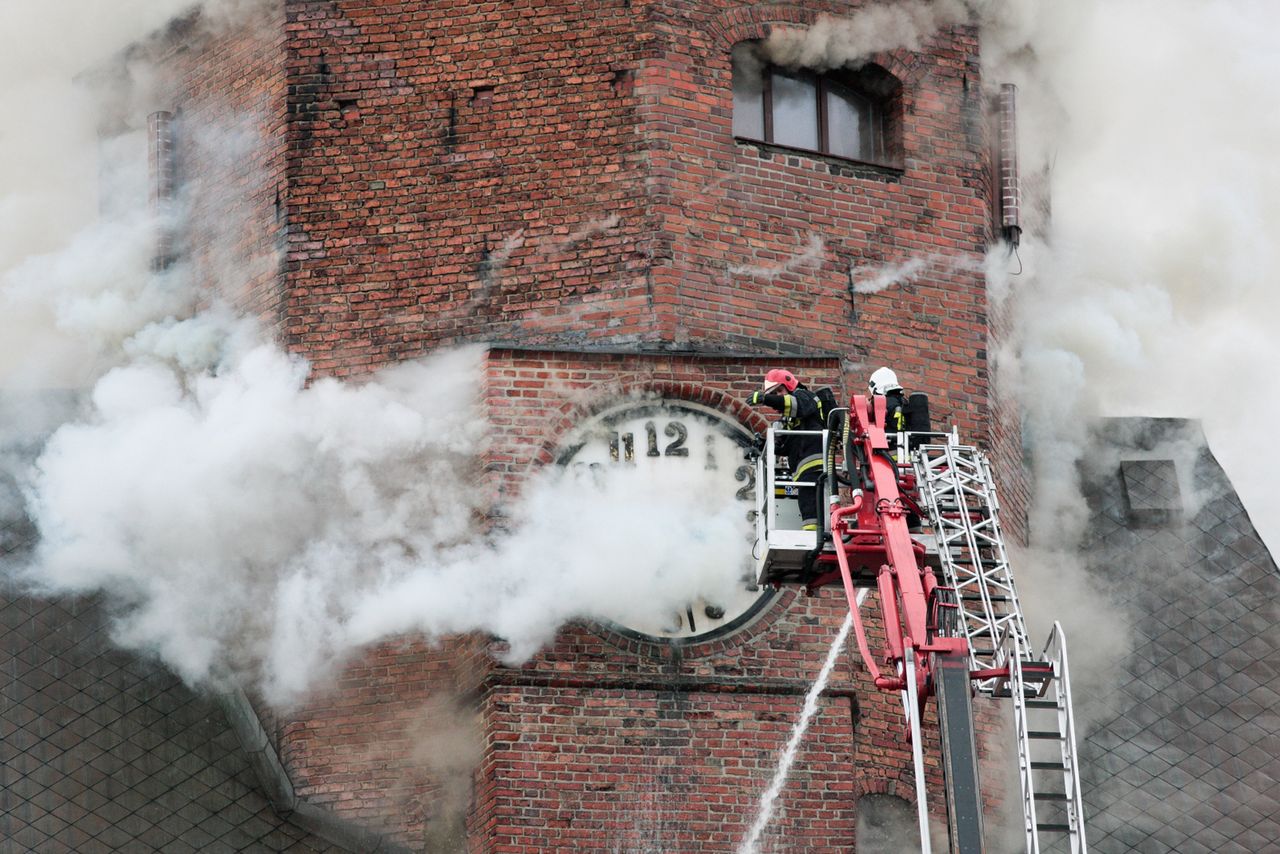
(777, 376)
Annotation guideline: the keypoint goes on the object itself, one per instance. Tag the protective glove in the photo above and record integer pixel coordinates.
(757, 398)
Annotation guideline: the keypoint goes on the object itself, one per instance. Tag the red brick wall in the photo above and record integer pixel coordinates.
(729, 205)
(1005, 426)
(392, 743)
(463, 171)
(637, 769)
(563, 176)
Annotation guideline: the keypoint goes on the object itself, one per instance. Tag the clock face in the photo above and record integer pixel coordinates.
(679, 446)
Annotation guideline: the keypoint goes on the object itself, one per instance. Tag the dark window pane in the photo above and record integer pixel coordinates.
(748, 96)
(795, 110)
(851, 130)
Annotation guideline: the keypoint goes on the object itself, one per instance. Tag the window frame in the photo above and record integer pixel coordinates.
(884, 152)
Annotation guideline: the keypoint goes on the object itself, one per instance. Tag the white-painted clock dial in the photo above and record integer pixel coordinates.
(678, 443)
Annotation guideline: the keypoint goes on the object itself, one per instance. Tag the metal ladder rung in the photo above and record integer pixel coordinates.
(1044, 734)
(1042, 704)
(1054, 828)
(1060, 797)
(1048, 766)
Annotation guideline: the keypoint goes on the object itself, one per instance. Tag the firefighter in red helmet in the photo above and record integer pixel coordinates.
(800, 411)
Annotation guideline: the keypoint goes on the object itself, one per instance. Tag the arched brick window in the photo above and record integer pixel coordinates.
(850, 113)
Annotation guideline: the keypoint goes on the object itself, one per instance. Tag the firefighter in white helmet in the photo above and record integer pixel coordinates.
(800, 411)
(884, 381)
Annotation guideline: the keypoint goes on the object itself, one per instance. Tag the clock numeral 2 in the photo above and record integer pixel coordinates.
(676, 448)
(747, 473)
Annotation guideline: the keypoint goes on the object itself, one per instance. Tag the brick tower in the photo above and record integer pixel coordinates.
(630, 197)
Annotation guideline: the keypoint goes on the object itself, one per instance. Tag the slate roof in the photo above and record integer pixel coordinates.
(1189, 761)
(103, 750)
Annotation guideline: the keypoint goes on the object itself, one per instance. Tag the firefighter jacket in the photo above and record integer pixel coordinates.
(800, 411)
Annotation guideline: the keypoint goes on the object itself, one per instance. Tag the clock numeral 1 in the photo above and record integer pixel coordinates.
(651, 433)
(711, 454)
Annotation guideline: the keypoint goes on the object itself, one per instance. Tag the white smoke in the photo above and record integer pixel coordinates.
(634, 549)
(811, 255)
(1154, 294)
(836, 42)
(246, 520)
(73, 284)
(255, 525)
(868, 279)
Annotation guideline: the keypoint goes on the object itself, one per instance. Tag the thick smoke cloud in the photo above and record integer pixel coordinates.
(49, 192)
(1147, 287)
(250, 524)
(246, 521)
(76, 236)
(1153, 293)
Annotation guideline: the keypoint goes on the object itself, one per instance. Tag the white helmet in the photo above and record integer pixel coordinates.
(884, 381)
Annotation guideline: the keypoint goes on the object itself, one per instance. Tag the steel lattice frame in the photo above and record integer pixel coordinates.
(959, 495)
(1062, 795)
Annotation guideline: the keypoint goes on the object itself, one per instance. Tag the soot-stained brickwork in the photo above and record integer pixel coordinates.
(549, 174)
(561, 182)
(225, 87)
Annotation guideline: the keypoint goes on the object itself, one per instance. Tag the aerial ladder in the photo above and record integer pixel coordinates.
(904, 508)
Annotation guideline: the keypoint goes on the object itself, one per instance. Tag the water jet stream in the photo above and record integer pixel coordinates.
(765, 815)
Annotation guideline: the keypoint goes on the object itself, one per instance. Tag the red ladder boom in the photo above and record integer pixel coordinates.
(872, 534)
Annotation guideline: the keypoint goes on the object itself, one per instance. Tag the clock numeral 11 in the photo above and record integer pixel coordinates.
(627, 451)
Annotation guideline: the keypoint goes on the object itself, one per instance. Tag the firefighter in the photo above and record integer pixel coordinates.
(884, 381)
(897, 419)
(800, 411)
